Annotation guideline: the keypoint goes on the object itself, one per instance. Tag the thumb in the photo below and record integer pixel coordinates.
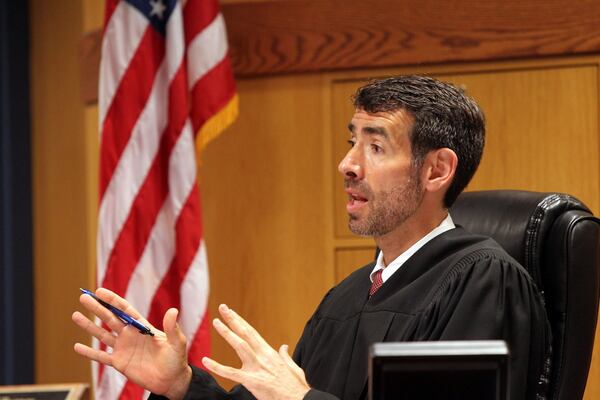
(283, 352)
(174, 335)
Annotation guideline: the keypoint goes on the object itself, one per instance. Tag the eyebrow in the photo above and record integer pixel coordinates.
(370, 130)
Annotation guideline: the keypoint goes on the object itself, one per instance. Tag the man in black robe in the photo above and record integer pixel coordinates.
(415, 144)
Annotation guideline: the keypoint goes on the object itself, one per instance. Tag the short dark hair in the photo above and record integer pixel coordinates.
(444, 116)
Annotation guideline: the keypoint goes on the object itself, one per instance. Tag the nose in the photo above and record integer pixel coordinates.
(350, 166)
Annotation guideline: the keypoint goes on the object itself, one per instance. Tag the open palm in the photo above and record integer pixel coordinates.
(158, 363)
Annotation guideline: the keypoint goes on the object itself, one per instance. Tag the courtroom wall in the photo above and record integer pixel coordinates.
(275, 224)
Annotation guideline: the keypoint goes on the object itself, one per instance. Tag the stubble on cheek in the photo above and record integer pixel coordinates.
(388, 210)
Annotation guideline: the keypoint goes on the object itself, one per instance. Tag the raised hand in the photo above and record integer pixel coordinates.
(266, 373)
(158, 363)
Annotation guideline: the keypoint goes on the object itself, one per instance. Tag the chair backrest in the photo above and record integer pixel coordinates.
(556, 238)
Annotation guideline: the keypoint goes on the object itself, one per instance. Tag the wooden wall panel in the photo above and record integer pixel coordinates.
(347, 260)
(542, 130)
(60, 195)
(341, 111)
(308, 35)
(271, 195)
(273, 36)
(246, 1)
(263, 193)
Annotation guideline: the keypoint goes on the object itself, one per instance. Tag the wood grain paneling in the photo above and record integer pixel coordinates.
(347, 260)
(263, 194)
(341, 111)
(89, 57)
(300, 36)
(542, 130)
(273, 37)
(60, 191)
(89, 49)
(274, 217)
(246, 1)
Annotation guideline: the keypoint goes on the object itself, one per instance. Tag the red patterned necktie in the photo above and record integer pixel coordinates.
(377, 282)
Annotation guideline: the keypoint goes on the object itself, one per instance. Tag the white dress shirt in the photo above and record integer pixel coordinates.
(388, 270)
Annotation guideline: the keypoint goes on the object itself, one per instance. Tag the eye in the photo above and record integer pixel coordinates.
(376, 148)
(351, 142)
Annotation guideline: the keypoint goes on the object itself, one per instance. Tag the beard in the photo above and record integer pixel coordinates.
(387, 209)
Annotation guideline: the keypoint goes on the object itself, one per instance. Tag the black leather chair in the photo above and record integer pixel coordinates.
(556, 238)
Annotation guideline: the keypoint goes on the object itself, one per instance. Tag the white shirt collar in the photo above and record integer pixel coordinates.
(388, 270)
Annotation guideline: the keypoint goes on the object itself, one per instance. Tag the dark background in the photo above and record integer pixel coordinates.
(16, 279)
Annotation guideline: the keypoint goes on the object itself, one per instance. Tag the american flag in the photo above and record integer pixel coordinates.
(166, 89)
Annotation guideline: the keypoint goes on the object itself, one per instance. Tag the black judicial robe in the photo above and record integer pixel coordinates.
(459, 286)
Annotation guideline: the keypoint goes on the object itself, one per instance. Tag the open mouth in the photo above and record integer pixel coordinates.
(355, 202)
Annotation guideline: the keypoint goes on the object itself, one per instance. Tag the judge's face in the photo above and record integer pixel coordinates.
(380, 178)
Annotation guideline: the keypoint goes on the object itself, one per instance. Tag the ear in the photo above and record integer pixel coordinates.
(439, 169)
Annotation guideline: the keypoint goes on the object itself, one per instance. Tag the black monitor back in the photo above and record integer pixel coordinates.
(461, 370)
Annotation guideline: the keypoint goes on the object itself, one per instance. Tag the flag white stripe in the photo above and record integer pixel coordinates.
(160, 249)
(121, 39)
(182, 168)
(131, 171)
(194, 290)
(111, 384)
(175, 43)
(140, 151)
(206, 50)
(154, 263)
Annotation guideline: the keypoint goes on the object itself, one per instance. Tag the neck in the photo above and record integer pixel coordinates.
(396, 242)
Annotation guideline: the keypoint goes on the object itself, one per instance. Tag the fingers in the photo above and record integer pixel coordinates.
(243, 329)
(265, 372)
(281, 383)
(283, 352)
(222, 370)
(174, 334)
(101, 312)
(93, 354)
(108, 316)
(240, 346)
(91, 328)
(114, 299)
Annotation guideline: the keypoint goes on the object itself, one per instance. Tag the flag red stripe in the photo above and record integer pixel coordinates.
(211, 93)
(197, 15)
(188, 231)
(160, 216)
(109, 9)
(197, 348)
(128, 103)
(131, 391)
(132, 239)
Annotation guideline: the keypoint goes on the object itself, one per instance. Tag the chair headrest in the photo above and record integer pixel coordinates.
(518, 220)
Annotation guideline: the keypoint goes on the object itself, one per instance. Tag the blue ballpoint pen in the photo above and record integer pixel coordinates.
(123, 316)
